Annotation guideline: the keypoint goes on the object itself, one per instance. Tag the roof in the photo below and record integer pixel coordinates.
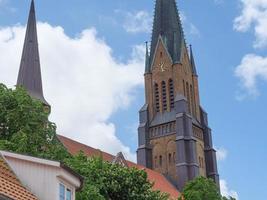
(10, 186)
(167, 24)
(30, 69)
(160, 182)
(43, 162)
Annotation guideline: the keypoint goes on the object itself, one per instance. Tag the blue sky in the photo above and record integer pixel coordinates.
(229, 40)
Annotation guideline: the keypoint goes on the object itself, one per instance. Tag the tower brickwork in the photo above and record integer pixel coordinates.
(174, 136)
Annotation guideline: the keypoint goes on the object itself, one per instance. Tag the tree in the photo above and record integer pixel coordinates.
(24, 126)
(202, 189)
(112, 181)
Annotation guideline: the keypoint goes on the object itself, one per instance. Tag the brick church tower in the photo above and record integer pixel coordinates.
(174, 136)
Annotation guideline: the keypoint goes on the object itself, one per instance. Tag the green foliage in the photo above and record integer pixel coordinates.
(24, 126)
(202, 189)
(25, 129)
(111, 181)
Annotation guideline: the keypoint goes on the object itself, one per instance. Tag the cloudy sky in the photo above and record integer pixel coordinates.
(92, 56)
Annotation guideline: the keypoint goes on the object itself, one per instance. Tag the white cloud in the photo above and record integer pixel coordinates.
(136, 22)
(225, 191)
(221, 154)
(82, 81)
(254, 14)
(252, 69)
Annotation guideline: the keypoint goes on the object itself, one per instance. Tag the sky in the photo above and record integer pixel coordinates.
(92, 58)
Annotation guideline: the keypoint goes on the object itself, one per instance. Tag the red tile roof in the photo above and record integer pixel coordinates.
(10, 186)
(160, 182)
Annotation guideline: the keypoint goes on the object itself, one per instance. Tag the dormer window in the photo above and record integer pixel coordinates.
(65, 193)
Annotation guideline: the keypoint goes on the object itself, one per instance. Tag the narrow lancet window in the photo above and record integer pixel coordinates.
(156, 92)
(164, 96)
(171, 91)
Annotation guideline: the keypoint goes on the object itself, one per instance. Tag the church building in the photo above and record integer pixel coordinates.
(175, 141)
(174, 136)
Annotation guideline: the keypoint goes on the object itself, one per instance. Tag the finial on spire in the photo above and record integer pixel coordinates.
(30, 70)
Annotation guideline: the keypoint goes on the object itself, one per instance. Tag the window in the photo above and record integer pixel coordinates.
(156, 92)
(184, 88)
(171, 90)
(160, 161)
(61, 192)
(68, 194)
(170, 158)
(64, 192)
(193, 100)
(188, 97)
(164, 95)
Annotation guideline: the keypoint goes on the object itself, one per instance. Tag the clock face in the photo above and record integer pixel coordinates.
(162, 66)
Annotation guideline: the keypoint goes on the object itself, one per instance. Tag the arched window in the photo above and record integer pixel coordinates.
(156, 92)
(171, 90)
(164, 95)
(170, 158)
(160, 161)
(184, 88)
(188, 97)
(193, 100)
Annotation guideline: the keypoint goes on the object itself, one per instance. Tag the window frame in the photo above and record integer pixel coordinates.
(67, 187)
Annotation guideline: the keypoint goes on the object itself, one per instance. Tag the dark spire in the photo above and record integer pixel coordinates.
(147, 59)
(167, 24)
(30, 70)
(192, 61)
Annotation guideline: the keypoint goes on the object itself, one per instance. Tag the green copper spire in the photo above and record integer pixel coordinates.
(30, 70)
(167, 24)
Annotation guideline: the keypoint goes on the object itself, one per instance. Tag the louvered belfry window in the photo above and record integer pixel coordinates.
(171, 90)
(156, 92)
(164, 95)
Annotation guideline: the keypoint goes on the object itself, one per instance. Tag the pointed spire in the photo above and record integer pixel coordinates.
(167, 24)
(30, 70)
(147, 59)
(192, 61)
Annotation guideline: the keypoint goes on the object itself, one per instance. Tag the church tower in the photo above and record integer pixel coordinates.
(30, 69)
(174, 136)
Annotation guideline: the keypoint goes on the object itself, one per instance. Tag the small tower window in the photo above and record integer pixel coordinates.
(188, 97)
(164, 95)
(171, 90)
(184, 88)
(170, 158)
(192, 100)
(156, 92)
(160, 161)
